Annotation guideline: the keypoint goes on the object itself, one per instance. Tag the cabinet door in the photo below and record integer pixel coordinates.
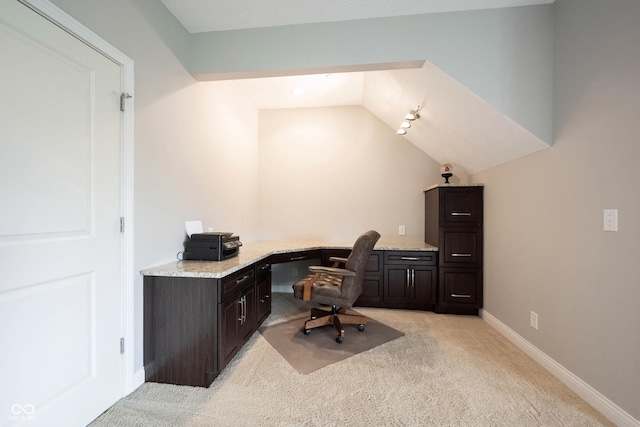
(372, 292)
(423, 286)
(263, 299)
(396, 290)
(237, 323)
(248, 313)
(228, 331)
(410, 286)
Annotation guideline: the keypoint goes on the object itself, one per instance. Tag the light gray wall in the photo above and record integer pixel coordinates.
(544, 244)
(190, 138)
(333, 173)
(503, 55)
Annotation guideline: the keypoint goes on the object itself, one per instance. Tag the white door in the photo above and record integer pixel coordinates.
(60, 241)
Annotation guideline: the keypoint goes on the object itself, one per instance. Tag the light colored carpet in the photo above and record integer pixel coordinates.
(445, 371)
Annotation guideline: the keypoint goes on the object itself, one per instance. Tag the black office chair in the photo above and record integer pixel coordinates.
(337, 287)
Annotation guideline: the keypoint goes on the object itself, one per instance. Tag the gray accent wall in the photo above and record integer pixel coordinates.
(545, 248)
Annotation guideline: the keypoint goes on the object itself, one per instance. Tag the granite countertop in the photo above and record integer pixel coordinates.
(255, 251)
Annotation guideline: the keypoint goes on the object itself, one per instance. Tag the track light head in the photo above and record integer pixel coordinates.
(411, 116)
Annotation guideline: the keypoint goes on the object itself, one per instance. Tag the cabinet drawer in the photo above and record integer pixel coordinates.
(263, 268)
(461, 247)
(234, 282)
(295, 256)
(461, 286)
(461, 206)
(411, 257)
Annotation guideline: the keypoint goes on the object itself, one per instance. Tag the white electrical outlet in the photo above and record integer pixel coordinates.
(610, 219)
(401, 230)
(533, 319)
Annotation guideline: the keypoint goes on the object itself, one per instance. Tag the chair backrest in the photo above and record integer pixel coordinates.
(357, 261)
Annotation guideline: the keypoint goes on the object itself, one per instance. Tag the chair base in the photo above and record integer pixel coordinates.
(336, 317)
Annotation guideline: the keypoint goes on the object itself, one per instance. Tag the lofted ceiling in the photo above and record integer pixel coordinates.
(222, 15)
(456, 126)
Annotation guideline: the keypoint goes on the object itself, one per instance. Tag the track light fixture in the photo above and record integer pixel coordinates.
(411, 116)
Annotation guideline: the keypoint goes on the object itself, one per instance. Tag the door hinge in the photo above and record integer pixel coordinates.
(122, 224)
(123, 97)
(121, 345)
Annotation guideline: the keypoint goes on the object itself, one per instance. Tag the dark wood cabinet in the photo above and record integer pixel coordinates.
(237, 313)
(193, 327)
(237, 323)
(263, 291)
(410, 280)
(372, 284)
(396, 279)
(180, 330)
(453, 222)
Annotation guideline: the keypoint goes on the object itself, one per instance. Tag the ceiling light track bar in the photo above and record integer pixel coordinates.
(406, 124)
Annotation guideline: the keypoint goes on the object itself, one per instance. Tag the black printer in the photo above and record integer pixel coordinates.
(211, 246)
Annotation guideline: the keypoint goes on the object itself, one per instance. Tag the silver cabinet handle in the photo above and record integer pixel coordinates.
(242, 279)
(411, 278)
(460, 213)
(297, 258)
(241, 318)
(243, 309)
(461, 255)
(410, 258)
(460, 296)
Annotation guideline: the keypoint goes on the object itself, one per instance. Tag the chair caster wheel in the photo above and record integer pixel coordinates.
(339, 339)
(306, 331)
(361, 327)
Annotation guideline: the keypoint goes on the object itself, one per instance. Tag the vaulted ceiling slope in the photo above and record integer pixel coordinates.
(456, 126)
(223, 15)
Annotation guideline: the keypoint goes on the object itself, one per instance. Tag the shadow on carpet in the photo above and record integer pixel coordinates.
(308, 353)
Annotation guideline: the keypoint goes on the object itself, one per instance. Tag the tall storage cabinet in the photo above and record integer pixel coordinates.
(453, 222)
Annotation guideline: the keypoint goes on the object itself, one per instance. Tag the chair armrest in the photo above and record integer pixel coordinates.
(331, 270)
(338, 259)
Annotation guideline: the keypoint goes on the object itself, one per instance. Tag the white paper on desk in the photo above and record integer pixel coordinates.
(193, 227)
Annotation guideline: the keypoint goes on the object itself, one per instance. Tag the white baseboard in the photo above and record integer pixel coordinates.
(605, 406)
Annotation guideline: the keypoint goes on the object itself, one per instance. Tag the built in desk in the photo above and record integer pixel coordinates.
(199, 314)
